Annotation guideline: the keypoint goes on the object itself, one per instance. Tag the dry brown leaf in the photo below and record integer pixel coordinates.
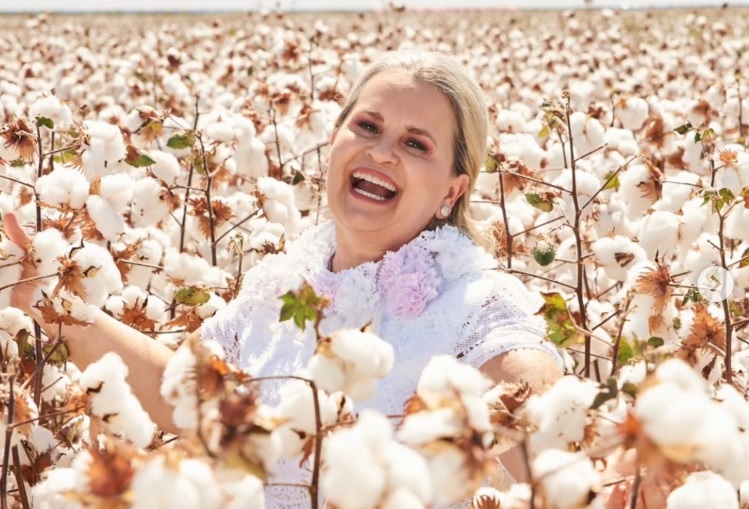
(19, 135)
(705, 330)
(110, 472)
(656, 283)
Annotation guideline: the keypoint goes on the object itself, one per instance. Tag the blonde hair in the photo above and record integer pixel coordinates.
(469, 108)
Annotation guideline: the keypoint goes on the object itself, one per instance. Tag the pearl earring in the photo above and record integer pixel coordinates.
(445, 211)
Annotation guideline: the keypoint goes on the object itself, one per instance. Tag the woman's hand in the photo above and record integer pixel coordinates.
(20, 295)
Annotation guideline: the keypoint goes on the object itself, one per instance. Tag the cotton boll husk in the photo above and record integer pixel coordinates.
(560, 413)
(566, 478)
(608, 249)
(191, 485)
(148, 207)
(659, 232)
(63, 186)
(701, 490)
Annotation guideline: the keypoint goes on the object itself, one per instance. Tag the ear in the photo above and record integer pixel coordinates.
(457, 188)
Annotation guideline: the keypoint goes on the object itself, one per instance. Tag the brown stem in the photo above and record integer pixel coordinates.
(612, 177)
(618, 338)
(536, 181)
(27, 280)
(17, 181)
(580, 286)
(502, 206)
(726, 310)
(636, 484)
(6, 450)
(580, 158)
(237, 225)
(19, 479)
(207, 191)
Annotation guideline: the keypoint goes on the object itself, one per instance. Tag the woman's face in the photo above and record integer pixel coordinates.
(391, 160)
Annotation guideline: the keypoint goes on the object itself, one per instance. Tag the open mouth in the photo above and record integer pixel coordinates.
(372, 186)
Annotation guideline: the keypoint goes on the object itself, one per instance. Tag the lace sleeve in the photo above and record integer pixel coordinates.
(505, 321)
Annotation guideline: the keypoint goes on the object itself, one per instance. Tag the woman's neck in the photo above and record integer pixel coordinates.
(354, 249)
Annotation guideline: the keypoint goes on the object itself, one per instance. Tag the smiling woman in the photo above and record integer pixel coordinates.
(401, 256)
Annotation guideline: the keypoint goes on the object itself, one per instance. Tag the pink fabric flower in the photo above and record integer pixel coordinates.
(408, 281)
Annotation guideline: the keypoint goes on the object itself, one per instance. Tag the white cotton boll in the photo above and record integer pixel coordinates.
(167, 167)
(365, 352)
(63, 186)
(188, 485)
(587, 133)
(449, 476)
(220, 132)
(560, 413)
(296, 405)
(631, 187)
(701, 490)
(621, 140)
(566, 478)
(13, 320)
(117, 190)
(421, 428)
(148, 207)
(55, 383)
(327, 373)
(401, 498)
(694, 219)
(50, 107)
(617, 255)
(681, 374)
(729, 178)
(179, 389)
(251, 158)
(102, 277)
(632, 373)
(659, 232)
(509, 121)
(54, 489)
(108, 222)
(48, 245)
(245, 494)
(444, 376)
(112, 397)
(114, 144)
(633, 113)
(352, 477)
(407, 470)
(701, 255)
(209, 308)
(737, 223)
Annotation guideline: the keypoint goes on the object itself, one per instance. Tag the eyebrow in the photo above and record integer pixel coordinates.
(414, 130)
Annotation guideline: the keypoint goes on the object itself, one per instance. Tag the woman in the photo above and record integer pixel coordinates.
(399, 253)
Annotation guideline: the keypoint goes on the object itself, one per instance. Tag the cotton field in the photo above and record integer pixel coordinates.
(159, 158)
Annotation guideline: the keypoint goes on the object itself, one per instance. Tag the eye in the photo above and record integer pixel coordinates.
(367, 126)
(416, 144)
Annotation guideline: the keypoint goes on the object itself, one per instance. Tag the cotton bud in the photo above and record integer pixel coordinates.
(543, 252)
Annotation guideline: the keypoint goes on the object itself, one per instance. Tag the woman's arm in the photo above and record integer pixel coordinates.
(144, 357)
(529, 365)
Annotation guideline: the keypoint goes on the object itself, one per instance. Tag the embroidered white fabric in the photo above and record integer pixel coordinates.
(480, 312)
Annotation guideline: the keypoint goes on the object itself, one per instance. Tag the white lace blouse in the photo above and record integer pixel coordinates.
(465, 307)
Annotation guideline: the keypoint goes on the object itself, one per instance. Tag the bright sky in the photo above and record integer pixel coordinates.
(247, 5)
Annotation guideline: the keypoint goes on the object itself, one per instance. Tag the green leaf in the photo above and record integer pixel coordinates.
(45, 122)
(490, 165)
(542, 201)
(692, 295)
(677, 324)
(25, 348)
(561, 326)
(608, 392)
(60, 356)
(143, 161)
(684, 129)
(626, 352)
(287, 311)
(726, 194)
(613, 183)
(544, 132)
(181, 141)
(17, 163)
(295, 178)
(629, 389)
(191, 296)
(697, 136)
(655, 341)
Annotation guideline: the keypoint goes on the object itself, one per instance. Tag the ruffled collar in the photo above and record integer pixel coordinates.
(402, 283)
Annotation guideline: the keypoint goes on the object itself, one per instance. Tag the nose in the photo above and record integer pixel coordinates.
(382, 150)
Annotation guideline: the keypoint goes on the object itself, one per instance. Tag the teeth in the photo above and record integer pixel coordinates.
(369, 195)
(371, 178)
